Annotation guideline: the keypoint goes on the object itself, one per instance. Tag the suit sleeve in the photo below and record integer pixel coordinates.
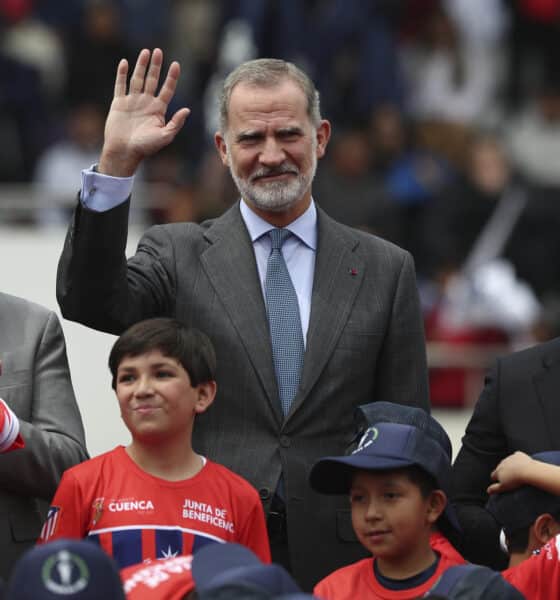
(98, 287)
(401, 371)
(53, 432)
(484, 445)
(68, 515)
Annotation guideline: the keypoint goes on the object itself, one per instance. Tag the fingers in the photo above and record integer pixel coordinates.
(170, 83)
(493, 488)
(137, 79)
(120, 80)
(175, 124)
(152, 78)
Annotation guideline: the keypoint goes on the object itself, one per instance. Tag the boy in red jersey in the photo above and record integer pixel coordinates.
(157, 498)
(397, 479)
(525, 501)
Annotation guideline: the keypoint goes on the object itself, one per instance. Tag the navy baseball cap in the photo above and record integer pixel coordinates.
(383, 447)
(387, 446)
(520, 508)
(473, 582)
(391, 412)
(65, 569)
(218, 568)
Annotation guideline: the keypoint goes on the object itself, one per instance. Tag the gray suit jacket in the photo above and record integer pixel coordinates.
(365, 342)
(36, 385)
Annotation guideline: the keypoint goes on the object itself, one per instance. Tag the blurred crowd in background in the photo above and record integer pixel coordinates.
(446, 120)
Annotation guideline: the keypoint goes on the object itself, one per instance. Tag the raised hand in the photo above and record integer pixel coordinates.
(135, 126)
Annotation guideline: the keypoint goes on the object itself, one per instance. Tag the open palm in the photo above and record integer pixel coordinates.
(135, 126)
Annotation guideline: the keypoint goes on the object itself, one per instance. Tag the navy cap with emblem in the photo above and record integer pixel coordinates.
(70, 569)
(383, 447)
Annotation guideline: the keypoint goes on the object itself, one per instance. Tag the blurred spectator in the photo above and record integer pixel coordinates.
(93, 53)
(145, 24)
(32, 42)
(533, 46)
(22, 120)
(348, 190)
(534, 135)
(58, 172)
(450, 85)
(470, 228)
(412, 176)
(347, 46)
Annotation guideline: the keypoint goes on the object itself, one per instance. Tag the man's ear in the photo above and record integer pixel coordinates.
(221, 146)
(437, 502)
(323, 133)
(545, 528)
(206, 394)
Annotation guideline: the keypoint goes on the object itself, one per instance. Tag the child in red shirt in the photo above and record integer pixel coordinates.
(157, 498)
(397, 480)
(525, 500)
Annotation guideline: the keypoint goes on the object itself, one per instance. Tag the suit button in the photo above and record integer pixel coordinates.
(285, 441)
(264, 493)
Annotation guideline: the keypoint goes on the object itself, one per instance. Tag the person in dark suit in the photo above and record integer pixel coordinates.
(35, 384)
(357, 330)
(518, 409)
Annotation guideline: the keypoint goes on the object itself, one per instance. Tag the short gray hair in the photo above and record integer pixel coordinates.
(267, 73)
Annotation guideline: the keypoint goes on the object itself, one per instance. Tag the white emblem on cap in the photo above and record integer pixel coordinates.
(369, 436)
(65, 573)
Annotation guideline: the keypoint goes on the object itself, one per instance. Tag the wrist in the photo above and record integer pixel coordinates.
(117, 164)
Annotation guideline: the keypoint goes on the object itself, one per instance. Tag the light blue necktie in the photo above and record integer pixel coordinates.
(284, 321)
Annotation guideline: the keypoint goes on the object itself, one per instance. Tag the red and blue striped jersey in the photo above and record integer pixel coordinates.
(135, 516)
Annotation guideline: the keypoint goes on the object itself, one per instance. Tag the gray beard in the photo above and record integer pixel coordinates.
(275, 196)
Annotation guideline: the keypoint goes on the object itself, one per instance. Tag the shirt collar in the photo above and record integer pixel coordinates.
(304, 227)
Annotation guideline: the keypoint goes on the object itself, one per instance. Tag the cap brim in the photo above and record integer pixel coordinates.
(333, 474)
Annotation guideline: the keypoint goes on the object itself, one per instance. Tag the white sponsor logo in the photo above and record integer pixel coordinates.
(129, 505)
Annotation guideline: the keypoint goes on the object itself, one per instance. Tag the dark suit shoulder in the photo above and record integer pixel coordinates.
(547, 353)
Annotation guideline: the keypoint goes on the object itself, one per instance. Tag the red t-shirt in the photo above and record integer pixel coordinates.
(164, 579)
(358, 580)
(538, 577)
(134, 516)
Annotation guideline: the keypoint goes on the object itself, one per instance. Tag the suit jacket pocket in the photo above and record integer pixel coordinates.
(344, 529)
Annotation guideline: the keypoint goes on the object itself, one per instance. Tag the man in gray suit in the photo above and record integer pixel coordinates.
(357, 303)
(36, 385)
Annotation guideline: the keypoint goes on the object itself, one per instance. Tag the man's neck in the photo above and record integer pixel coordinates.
(285, 217)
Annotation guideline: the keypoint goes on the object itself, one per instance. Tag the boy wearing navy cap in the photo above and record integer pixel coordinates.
(398, 480)
(525, 501)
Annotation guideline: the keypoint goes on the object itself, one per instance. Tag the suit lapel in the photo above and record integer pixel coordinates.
(338, 277)
(229, 263)
(547, 384)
